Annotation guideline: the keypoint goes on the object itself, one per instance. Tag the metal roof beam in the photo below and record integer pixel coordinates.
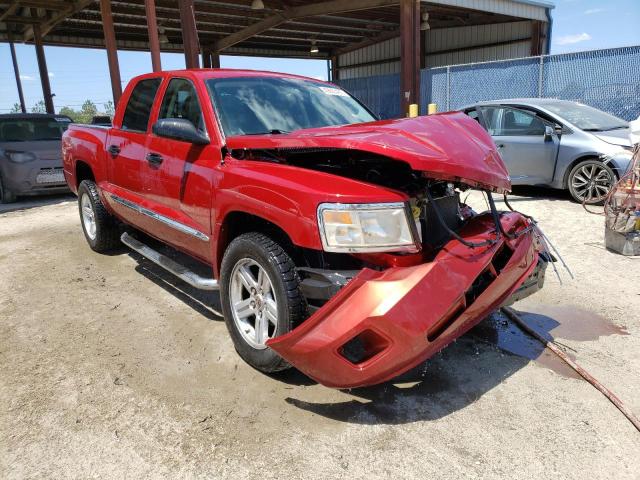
(58, 17)
(322, 8)
(11, 9)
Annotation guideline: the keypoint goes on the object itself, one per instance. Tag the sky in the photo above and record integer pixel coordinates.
(80, 74)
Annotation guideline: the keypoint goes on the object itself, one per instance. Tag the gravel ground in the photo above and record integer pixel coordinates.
(109, 368)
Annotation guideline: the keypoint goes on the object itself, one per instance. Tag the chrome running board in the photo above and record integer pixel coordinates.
(180, 271)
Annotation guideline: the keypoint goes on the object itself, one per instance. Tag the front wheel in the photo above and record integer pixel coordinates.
(261, 298)
(590, 182)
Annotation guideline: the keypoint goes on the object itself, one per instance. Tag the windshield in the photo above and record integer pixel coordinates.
(35, 129)
(586, 118)
(263, 105)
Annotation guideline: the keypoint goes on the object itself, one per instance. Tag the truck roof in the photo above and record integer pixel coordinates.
(206, 73)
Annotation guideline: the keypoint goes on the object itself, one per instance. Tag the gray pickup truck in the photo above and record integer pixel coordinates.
(31, 154)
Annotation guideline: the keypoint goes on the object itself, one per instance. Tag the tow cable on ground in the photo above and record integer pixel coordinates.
(581, 371)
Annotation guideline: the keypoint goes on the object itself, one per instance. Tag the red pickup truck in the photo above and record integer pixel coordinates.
(339, 243)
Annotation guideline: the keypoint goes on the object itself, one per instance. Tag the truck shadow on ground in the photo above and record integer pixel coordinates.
(451, 380)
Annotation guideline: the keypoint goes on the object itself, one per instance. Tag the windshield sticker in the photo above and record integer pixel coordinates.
(334, 91)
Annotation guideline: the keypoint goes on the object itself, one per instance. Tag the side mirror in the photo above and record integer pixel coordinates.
(548, 133)
(180, 129)
(558, 129)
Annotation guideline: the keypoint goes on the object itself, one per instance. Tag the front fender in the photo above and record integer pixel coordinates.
(287, 196)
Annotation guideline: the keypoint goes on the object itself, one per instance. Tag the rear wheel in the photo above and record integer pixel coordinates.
(590, 182)
(99, 226)
(6, 196)
(261, 298)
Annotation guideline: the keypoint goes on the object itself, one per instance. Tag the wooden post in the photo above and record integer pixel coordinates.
(189, 34)
(536, 38)
(154, 41)
(16, 71)
(335, 72)
(112, 49)
(42, 67)
(215, 60)
(206, 58)
(409, 54)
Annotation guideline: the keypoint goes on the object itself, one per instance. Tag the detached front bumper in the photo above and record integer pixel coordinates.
(382, 324)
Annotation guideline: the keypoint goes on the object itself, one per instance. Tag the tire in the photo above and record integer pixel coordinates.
(6, 196)
(105, 233)
(590, 181)
(245, 312)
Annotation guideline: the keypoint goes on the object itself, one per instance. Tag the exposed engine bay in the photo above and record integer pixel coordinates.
(388, 173)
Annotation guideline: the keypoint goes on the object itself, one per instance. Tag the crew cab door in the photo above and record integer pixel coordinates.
(126, 148)
(178, 174)
(520, 135)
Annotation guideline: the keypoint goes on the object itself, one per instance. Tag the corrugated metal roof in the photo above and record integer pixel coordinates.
(531, 9)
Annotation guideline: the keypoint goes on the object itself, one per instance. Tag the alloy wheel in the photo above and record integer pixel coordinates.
(88, 216)
(253, 303)
(591, 183)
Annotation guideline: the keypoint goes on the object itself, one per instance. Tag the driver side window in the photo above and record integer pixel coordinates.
(505, 121)
(181, 101)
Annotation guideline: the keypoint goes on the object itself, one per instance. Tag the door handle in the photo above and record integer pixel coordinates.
(114, 150)
(154, 159)
(500, 145)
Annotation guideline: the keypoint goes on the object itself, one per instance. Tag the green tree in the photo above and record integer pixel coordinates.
(109, 108)
(16, 108)
(87, 111)
(39, 107)
(71, 113)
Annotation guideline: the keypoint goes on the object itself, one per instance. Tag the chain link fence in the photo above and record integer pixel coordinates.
(381, 93)
(605, 79)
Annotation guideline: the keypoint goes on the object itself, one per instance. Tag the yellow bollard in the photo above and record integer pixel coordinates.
(432, 108)
(413, 110)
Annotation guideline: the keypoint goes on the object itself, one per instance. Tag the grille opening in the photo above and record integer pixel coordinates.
(501, 258)
(363, 347)
(441, 325)
(479, 285)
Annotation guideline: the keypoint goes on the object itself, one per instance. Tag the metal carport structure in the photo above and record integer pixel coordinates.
(349, 34)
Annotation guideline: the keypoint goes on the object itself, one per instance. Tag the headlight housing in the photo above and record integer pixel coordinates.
(19, 157)
(369, 227)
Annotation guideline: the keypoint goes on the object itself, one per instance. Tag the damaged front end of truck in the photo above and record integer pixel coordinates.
(379, 309)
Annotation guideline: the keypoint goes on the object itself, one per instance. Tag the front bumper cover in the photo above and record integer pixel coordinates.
(384, 323)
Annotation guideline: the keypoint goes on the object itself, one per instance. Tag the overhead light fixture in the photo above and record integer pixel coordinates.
(257, 5)
(425, 22)
(314, 47)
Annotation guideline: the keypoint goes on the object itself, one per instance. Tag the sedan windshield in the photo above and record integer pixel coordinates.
(271, 105)
(35, 129)
(586, 118)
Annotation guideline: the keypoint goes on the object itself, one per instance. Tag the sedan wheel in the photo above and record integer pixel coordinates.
(590, 182)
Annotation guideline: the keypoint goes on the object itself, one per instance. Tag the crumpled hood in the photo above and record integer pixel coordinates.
(448, 146)
(615, 137)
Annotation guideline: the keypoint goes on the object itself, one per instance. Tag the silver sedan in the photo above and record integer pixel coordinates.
(558, 144)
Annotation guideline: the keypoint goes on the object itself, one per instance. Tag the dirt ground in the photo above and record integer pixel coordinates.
(110, 368)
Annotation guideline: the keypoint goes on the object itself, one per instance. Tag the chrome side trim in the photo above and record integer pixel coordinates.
(180, 271)
(181, 227)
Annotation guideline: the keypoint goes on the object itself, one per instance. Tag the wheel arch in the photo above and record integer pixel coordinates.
(83, 171)
(236, 223)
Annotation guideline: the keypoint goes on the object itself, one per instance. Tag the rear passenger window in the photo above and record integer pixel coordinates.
(138, 111)
(181, 101)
